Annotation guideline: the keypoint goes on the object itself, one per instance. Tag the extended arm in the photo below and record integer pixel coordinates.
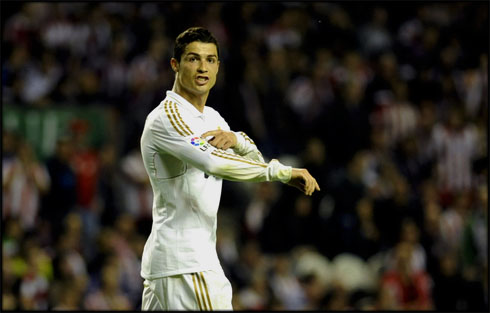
(244, 146)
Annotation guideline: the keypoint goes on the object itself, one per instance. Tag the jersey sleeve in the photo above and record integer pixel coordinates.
(171, 133)
(247, 148)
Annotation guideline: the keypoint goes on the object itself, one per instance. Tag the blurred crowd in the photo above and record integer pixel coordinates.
(385, 104)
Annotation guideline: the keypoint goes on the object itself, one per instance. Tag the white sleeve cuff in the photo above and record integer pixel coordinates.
(278, 172)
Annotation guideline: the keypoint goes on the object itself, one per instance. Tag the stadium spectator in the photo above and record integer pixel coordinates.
(109, 295)
(25, 180)
(285, 284)
(109, 187)
(61, 198)
(264, 197)
(34, 283)
(455, 145)
(137, 192)
(256, 295)
(409, 288)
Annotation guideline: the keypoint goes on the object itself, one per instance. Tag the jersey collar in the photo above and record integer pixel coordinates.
(183, 102)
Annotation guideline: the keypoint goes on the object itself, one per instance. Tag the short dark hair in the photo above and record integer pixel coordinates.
(190, 35)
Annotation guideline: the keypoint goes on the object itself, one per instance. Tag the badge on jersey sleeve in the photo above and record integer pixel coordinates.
(199, 142)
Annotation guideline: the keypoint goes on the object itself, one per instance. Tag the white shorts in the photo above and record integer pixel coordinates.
(208, 290)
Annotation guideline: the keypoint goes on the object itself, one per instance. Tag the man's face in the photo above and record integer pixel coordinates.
(197, 69)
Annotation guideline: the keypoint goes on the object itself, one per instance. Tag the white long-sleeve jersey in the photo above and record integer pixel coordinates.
(186, 175)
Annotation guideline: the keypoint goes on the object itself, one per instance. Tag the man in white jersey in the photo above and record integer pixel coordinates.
(188, 149)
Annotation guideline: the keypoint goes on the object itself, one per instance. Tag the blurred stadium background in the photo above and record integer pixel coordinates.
(385, 104)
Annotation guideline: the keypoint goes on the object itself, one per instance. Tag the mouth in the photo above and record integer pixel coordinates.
(202, 80)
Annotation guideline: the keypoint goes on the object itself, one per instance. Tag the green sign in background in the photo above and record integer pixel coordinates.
(42, 127)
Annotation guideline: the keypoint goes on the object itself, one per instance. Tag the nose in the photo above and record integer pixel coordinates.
(202, 68)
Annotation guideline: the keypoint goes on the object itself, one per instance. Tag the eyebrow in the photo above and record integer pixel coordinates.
(209, 55)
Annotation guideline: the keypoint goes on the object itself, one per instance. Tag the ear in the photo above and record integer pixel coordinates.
(174, 64)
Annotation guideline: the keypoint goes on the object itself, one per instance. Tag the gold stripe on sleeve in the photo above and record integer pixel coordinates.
(235, 158)
(180, 118)
(206, 288)
(222, 152)
(171, 120)
(203, 299)
(195, 290)
(176, 120)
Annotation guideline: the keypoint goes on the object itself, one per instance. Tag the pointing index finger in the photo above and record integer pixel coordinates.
(209, 133)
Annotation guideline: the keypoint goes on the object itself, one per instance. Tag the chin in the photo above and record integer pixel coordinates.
(202, 89)
(199, 92)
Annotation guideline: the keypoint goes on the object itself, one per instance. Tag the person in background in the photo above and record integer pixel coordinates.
(62, 196)
(25, 180)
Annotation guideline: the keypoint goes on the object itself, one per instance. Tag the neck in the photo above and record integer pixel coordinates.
(198, 101)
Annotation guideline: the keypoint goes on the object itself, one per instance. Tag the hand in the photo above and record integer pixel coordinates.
(302, 179)
(221, 139)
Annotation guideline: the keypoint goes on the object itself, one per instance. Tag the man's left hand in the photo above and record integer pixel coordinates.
(221, 139)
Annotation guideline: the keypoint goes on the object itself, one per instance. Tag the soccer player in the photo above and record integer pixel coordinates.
(188, 149)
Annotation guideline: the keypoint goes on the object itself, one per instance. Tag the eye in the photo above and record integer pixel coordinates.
(192, 59)
(211, 60)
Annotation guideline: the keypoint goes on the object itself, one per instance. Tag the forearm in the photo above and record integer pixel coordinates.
(231, 166)
(237, 168)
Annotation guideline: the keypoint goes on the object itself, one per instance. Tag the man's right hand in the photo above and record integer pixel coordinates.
(302, 179)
